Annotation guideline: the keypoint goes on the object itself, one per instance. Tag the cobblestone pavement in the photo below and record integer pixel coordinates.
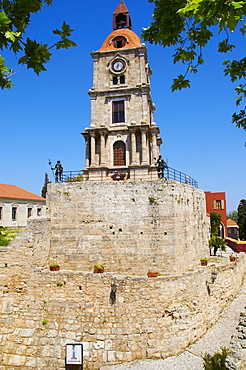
(216, 337)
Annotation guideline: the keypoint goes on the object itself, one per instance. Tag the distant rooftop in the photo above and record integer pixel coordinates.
(14, 192)
(231, 223)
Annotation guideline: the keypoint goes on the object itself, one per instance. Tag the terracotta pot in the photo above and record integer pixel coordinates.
(98, 271)
(152, 274)
(232, 259)
(204, 263)
(54, 268)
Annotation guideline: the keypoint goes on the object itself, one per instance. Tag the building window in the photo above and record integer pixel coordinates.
(14, 213)
(1, 212)
(119, 42)
(122, 79)
(119, 153)
(116, 80)
(39, 211)
(118, 111)
(219, 204)
(29, 212)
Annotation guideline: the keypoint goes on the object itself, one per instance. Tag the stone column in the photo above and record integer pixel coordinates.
(133, 147)
(87, 152)
(142, 53)
(93, 149)
(154, 146)
(144, 146)
(102, 149)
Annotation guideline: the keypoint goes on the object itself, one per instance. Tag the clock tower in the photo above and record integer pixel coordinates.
(122, 135)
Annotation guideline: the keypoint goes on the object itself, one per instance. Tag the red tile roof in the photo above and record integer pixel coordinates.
(14, 192)
(121, 8)
(231, 222)
(132, 40)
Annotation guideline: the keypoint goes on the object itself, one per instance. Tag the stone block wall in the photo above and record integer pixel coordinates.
(128, 226)
(118, 318)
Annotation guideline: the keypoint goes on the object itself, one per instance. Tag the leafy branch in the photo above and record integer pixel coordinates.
(189, 25)
(14, 20)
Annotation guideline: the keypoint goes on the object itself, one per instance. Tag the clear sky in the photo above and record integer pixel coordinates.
(42, 117)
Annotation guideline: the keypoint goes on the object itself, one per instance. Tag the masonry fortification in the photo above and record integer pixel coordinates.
(127, 226)
(121, 315)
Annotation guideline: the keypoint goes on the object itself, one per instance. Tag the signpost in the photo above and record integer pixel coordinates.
(74, 356)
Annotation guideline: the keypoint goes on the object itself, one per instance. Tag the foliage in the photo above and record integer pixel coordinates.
(15, 17)
(99, 267)
(217, 361)
(233, 216)
(79, 177)
(54, 265)
(117, 173)
(215, 221)
(204, 260)
(6, 235)
(217, 243)
(242, 219)
(44, 188)
(152, 200)
(189, 25)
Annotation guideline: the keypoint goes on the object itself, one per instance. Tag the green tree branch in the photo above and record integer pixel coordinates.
(188, 25)
(14, 20)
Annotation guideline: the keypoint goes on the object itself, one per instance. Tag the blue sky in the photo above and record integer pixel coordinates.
(42, 117)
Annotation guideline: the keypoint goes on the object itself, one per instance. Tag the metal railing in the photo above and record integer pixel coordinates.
(172, 174)
(169, 174)
(73, 176)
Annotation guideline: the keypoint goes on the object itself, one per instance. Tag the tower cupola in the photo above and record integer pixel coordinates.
(121, 17)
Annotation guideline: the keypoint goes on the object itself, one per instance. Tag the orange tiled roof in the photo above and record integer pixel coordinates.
(14, 192)
(231, 222)
(132, 40)
(121, 8)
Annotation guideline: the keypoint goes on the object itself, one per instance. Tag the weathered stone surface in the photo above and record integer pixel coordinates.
(145, 320)
(99, 223)
(120, 315)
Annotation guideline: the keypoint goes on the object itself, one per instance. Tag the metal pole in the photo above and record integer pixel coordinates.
(50, 164)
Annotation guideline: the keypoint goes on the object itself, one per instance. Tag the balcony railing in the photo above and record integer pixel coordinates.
(169, 174)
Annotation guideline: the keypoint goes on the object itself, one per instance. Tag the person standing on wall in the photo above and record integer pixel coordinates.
(58, 171)
(161, 164)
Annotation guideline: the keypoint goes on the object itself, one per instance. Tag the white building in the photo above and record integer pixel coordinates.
(17, 205)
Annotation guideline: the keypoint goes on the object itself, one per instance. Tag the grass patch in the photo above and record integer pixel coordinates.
(6, 235)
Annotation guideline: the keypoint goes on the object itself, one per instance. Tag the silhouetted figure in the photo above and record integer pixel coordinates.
(161, 164)
(58, 171)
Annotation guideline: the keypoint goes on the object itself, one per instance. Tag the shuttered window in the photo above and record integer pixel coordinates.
(219, 204)
(118, 111)
(14, 213)
(119, 153)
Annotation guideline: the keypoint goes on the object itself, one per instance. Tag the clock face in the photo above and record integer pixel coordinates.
(118, 65)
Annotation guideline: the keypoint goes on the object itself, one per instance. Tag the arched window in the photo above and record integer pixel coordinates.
(119, 153)
(119, 42)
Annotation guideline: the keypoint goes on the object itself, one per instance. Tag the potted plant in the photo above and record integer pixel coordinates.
(152, 274)
(118, 175)
(204, 261)
(98, 269)
(232, 258)
(54, 267)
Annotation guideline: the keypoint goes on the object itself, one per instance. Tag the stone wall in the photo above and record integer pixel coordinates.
(237, 360)
(127, 226)
(118, 318)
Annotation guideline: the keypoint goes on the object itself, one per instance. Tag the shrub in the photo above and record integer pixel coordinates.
(217, 361)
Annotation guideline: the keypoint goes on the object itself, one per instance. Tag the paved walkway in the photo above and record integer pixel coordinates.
(216, 337)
